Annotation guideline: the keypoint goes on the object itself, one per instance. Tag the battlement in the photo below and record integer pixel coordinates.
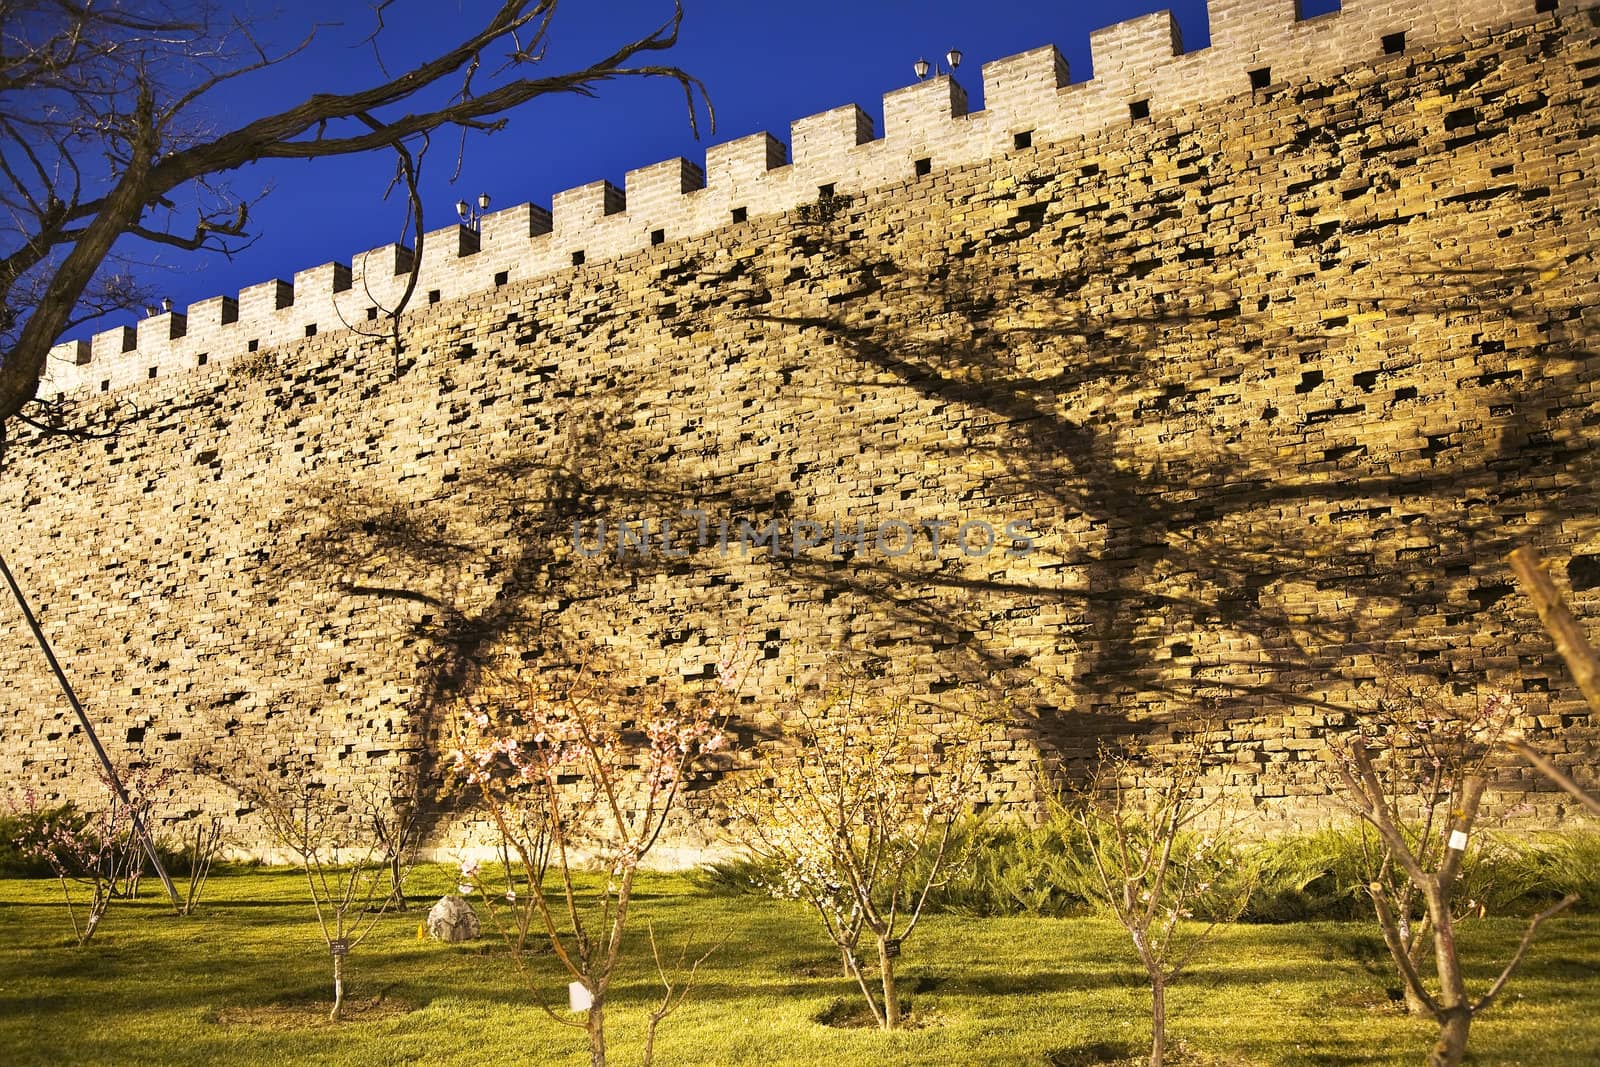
(1141, 73)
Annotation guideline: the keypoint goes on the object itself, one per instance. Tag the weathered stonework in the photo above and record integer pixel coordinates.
(1274, 377)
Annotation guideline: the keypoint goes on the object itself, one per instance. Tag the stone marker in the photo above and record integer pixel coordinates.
(452, 920)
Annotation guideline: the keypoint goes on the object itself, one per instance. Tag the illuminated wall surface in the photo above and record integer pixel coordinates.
(1210, 389)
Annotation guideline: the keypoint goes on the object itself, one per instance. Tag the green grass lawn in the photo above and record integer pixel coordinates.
(246, 981)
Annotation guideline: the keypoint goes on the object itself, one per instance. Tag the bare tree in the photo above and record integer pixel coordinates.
(856, 816)
(1153, 868)
(1418, 785)
(355, 861)
(99, 134)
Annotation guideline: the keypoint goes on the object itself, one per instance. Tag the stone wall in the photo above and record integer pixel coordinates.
(1267, 386)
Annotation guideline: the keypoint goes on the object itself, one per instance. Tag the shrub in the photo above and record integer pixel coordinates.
(22, 832)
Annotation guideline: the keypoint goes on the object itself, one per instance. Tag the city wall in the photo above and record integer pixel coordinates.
(1253, 361)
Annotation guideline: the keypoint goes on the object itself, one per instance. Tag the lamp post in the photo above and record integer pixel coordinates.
(923, 68)
(471, 216)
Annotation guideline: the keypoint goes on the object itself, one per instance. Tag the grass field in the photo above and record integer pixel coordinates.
(245, 980)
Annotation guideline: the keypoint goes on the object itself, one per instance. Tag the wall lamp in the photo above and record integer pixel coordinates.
(470, 216)
(923, 68)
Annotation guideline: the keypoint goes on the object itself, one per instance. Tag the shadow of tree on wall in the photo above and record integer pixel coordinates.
(1191, 552)
(1264, 456)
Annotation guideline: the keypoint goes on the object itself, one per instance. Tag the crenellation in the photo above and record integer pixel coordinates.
(655, 194)
(512, 244)
(917, 117)
(1127, 53)
(267, 315)
(749, 174)
(449, 262)
(73, 353)
(828, 144)
(316, 293)
(1140, 73)
(378, 277)
(212, 314)
(589, 220)
(107, 345)
(154, 330)
(741, 165)
(1018, 88)
(64, 367)
(507, 232)
(211, 330)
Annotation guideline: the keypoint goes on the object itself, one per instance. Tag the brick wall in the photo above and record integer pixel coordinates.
(1274, 383)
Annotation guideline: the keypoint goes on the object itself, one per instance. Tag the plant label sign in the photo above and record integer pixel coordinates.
(578, 998)
(1458, 840)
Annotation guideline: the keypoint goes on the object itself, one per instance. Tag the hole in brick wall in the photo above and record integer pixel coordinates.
(577, 259)
(372, 314)
(1139, 110)
(825, 190)
(1394, 43)
(1583, 572)
(433, 296)
(1022, 140)
(152, 372)
(1089, 170)
(1261, 77)
(501, 278)
(135, 735)
(658, 237)
(311, 329)
(105, 386)
(252, 346)
(923, 167)
(1542, 6)
(201, 359)
(740, 214)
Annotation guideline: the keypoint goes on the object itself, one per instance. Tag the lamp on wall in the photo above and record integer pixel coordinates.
(473, 216)
(923, 68)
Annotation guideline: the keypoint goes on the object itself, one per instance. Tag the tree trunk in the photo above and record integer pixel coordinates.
(1419, 960)
(338, 988)
(1158, 1021)
(891, 998)
(597, 1035)
(1451, 1047)
(1455, 1008)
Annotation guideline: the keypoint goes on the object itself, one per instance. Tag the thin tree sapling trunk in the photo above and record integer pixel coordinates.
(887, 951)
(338, 985)
(1158, 1018)
(597, 1034)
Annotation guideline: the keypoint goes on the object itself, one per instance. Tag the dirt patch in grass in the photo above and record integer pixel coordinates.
(1118, 1054)
(817, 967)
(305, 1013)
(844, 1014)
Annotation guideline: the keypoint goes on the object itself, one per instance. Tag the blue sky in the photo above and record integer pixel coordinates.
(764, 63)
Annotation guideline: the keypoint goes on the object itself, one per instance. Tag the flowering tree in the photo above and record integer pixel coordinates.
(105, 852)
(1416, 774)
(855, 815)
(1155, 872)
(96, 853)
(567, 779)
